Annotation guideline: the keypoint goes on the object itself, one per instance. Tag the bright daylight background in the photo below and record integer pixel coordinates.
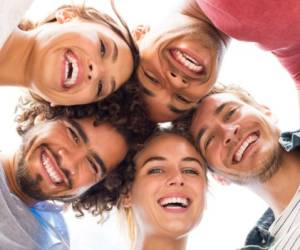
(231, 211)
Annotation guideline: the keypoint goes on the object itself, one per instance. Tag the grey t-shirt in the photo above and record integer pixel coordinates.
(20, 229)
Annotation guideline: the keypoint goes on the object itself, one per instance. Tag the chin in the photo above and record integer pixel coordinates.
(177, 230)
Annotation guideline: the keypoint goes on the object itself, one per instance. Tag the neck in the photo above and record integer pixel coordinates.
(15, 58)
(157, 242)
(10, 168)
(279, 190)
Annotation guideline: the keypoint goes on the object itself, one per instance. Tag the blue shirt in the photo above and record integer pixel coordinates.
(50, 217)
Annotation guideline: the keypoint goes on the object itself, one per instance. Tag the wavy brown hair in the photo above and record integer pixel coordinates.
(92, 15)
(124, 111)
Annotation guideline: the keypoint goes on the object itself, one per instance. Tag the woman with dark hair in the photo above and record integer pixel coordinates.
(77, 55)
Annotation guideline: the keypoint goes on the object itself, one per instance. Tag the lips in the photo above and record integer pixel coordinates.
(244, 147)
(52, 170)
(174, 203)
(71, 70)
(188, 63)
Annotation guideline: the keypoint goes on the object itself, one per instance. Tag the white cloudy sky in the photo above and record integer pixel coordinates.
(231, 211)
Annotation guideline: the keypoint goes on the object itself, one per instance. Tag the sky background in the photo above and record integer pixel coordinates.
(231, 210)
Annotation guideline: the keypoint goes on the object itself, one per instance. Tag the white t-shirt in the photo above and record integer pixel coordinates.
(11, 13)
(286, 227)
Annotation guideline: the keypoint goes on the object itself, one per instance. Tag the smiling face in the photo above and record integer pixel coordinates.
(179, 64)
(62, 159)
(238, 141)
(78, 62)
(168, 193)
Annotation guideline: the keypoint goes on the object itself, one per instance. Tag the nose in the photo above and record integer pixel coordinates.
(71, 159)
(96, 70)
(177, 81)
(230, 133)
(175, 179)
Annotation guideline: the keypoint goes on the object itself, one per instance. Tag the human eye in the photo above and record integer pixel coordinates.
(230, 113)
(151, 77)
(93, 166)
(99, 88)
(183, 99)
(154, 171)
(190, 171)
(73, 135)
(208, 141)
(102, 48)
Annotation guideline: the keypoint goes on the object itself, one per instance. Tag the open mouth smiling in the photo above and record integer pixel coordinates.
(52, 170)
(188, 63)
(175, 203)
(245, 147)
(71, 73)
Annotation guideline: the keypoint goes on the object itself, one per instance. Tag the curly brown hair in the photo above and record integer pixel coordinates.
(124, 111)
(92, 15)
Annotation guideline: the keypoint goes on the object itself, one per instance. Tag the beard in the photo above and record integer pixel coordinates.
(267, 168)
(31, 185)
(28, 184)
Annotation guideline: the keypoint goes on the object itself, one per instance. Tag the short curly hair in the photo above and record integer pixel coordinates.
(123, 110)
(92, 15)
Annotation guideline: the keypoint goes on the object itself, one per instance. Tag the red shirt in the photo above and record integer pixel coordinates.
(273, 24)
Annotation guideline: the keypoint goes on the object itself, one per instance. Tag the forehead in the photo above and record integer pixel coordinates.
(158, 109)
(208, 107)
(170, 146)
(102, 134)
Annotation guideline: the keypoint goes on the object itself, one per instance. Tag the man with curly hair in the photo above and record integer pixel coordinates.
(70, 154)
(242, 144)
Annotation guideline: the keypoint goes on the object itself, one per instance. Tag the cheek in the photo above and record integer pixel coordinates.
(142, 200)
(84, 179)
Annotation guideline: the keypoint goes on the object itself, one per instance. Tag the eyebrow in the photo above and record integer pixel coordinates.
(79, 130)
(147, 91)
(100, 162)
(113, 85)
(115, 52)
(85, 139)
(191, 159)
(176, 110)
(220, 108)
(154, 158)
(198, 138)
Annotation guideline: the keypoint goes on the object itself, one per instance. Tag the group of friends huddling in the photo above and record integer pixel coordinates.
(91, 138)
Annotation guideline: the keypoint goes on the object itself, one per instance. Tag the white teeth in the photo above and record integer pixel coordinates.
(69, 81)
(54, 176)
(188, 61)
(172, 201)
(239, 154)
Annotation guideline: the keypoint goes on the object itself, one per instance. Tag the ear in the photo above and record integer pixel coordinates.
(139, 32)
(126, 200)
(53, 104)
(222, 180)
(268, 112)
(64, 15)
(39, 119)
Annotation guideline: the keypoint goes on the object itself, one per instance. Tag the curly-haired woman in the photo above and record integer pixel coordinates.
(77, 55)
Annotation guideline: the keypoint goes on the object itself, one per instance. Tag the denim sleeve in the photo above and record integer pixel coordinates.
(259, 235)
(290, 140)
